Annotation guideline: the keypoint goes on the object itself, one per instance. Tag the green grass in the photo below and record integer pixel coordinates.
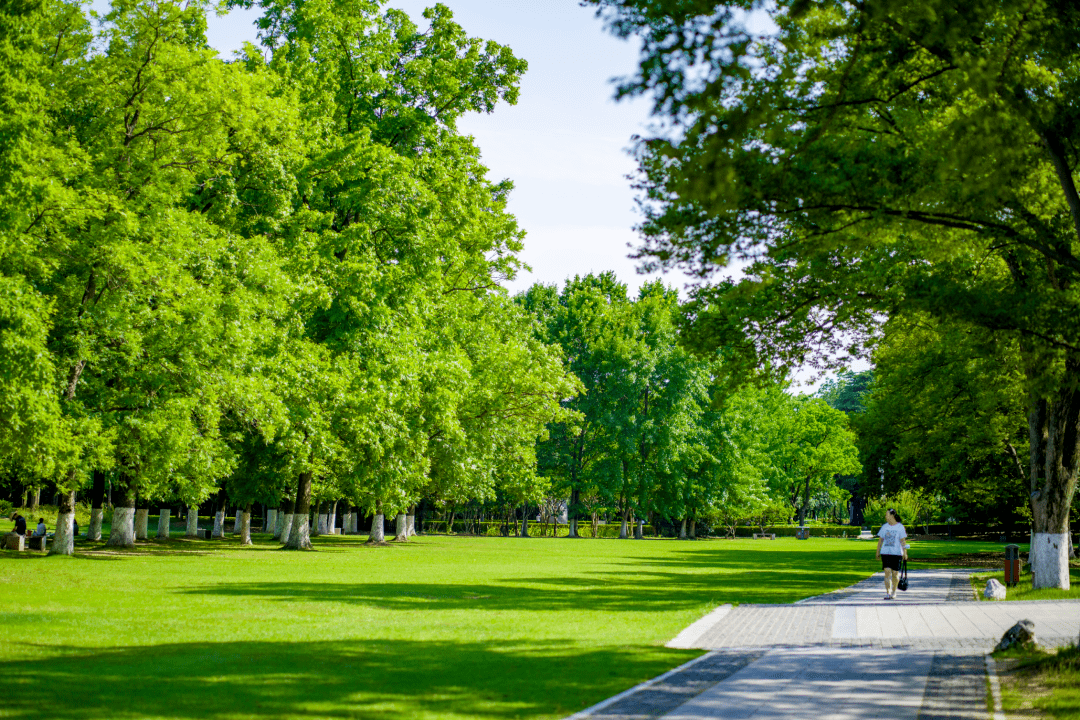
(1046, 683)
(443, 627)
(1023, 589)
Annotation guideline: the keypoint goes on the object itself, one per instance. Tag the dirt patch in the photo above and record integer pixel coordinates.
(994, 560)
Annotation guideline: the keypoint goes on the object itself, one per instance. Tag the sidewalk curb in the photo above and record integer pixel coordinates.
(587, 712)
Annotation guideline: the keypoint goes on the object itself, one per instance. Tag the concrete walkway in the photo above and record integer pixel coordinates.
(850, 654)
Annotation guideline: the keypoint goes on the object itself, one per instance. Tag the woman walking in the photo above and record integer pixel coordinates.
(891, 550)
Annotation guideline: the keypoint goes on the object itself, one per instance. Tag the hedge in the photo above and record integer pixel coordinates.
(790, 530)
(494, 528)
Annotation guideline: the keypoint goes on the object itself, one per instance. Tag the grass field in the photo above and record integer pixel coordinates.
(443, 627)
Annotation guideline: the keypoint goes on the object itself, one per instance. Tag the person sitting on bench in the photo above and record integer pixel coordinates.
(40, 530)
(20, 524)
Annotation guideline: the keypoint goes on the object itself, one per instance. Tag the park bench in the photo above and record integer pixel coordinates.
(37, 543)
(759, 536)
(866, 535)
(14, 542)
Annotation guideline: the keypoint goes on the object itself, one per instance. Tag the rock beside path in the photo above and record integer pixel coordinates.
(1020, 635)
(994, 590)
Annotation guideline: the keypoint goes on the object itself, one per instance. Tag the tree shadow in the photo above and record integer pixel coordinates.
(339, 679)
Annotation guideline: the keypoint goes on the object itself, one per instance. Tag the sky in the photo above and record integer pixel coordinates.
(564, 145)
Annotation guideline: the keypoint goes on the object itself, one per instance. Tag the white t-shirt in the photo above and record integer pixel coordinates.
(893, 539)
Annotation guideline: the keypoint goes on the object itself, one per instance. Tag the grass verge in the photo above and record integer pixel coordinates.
(1042, 685)
(1023, 589)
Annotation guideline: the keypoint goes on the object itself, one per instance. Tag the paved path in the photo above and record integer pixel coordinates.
(846, 655)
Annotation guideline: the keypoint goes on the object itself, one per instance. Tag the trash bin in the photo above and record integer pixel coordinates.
(802, 534)
(1012, 565)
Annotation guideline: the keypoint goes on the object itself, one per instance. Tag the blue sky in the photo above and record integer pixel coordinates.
(564, 144)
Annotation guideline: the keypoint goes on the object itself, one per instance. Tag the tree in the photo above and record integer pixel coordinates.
(947, 414)
(871, 158)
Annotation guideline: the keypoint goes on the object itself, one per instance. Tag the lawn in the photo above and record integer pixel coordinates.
(1023, 591)
(442, 627)
(1043, 685)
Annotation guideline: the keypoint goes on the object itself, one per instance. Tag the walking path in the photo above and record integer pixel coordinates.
(846, 655)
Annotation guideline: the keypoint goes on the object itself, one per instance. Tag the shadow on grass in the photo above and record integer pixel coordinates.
(326, 679)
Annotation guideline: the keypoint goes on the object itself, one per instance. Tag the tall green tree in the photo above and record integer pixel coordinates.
(873, 157)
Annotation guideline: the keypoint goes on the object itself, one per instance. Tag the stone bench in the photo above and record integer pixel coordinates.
(759, 536)
(37, 543)
(866, 535)
(14, 542)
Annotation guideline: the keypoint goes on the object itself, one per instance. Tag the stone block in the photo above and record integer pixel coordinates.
(1021, 635)
(14, 542)
(994, 590)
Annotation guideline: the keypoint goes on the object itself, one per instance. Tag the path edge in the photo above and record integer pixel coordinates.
(688, 638)
(587, 712)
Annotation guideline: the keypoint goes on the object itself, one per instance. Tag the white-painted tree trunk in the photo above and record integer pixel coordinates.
(286, 527)
(192, 529)
(331, 518)
(400, 532)
(245, 528)
(142, 520)
(164, 519)
(410, 525)
(94, 531)
(322, 525)
(271, 521)
(63, 542)
(238, 521)
(1049, 559)
(122, 530)
(682, 530)
(624, 530)
(377, 533)
(300, 535)
(219, 524)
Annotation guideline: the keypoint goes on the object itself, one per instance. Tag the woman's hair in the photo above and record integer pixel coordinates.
(895, 515)
(41, 520)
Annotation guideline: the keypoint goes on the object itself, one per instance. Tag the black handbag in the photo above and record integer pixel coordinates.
(902, 585)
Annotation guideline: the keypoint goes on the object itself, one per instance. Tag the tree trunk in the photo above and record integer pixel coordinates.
(1054, 428)
(64, 537)
(35, 500)
(271, 521)
(639, 529)
(318, 519)
(299, 537)
(192, 529)
(219, 524)
(331, 518)
(693, 528)
(378, 528)
(122, 529)
(682, 530)
(93, 532)
(97, 495)
(284, 525)
(164, 519)
(624, 532)
(524, 521)
(238, 520)
(142, 521)
(401, 532)
(410, 522)
(245, 526)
